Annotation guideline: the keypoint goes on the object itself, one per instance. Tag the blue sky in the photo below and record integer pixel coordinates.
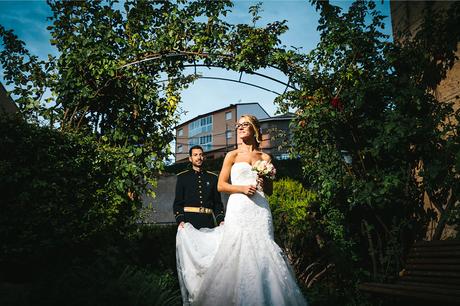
(28, 19)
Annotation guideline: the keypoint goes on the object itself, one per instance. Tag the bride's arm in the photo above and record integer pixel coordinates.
(224, 186)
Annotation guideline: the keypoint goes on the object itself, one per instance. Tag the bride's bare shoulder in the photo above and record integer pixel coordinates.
(266, 156)
(231, 155)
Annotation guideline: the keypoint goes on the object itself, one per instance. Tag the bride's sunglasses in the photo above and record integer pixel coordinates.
(244, 125)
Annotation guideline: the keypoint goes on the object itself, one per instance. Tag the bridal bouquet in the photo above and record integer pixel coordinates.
(264, 169)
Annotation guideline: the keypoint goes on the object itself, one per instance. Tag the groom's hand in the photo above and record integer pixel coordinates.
(221, 223)
(181, 225)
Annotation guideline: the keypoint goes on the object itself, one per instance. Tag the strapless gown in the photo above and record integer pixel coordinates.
(237, 263)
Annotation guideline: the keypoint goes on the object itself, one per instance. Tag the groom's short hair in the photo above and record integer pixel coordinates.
(193, 148)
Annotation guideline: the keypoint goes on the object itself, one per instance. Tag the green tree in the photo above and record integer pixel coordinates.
(370, 134)
(108, 120)
(101, 83)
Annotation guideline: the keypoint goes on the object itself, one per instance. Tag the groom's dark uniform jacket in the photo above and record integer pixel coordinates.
(197, 200)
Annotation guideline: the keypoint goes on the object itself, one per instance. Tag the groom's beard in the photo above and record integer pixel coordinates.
(198, 164)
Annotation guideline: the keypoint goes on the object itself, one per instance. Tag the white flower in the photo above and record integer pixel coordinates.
(264, 168)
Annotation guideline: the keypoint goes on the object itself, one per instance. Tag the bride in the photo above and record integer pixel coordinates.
(237, 263)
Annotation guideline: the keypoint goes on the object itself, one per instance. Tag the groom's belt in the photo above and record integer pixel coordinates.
(202, 210)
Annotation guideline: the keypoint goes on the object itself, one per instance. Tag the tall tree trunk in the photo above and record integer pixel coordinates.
(443, 218)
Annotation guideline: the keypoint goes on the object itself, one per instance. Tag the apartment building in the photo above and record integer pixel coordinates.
(276, 135)
(215, 131)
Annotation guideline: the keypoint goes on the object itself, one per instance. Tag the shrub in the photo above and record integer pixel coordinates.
(298, 230)
(290, 203)
(291, 209)
(63, 197)
(97, 285)
(156, 247)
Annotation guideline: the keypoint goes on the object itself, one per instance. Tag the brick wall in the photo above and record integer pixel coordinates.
(407, 17)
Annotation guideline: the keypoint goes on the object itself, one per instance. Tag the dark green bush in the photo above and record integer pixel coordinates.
(294, 227)
(96, 285)
(156, 247)
(317, 262)
(290, 204)
(63, 197)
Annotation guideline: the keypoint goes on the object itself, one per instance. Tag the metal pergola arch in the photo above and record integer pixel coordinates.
(157, 56)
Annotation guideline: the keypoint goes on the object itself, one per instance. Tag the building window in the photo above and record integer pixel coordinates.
(229, 134)
(206, 142)
(283, 156)
(193, 141)
(202, 125)
(228, 116)
(179, 149)
(180, 132)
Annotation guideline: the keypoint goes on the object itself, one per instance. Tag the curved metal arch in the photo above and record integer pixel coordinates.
(248, 72)
(231, 80)
(205, 55)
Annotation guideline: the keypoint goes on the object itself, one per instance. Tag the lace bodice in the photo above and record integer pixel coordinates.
(242, 174)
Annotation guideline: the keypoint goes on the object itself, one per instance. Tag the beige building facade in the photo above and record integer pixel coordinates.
(215, 132)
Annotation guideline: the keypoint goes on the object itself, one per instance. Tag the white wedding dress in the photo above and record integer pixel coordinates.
(238, 263)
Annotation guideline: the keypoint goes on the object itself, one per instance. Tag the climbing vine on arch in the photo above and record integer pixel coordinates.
(91, 87)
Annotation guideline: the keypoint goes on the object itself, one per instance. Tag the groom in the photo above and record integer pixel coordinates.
(197, 200)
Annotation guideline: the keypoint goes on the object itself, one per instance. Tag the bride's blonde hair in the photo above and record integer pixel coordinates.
(255, 126)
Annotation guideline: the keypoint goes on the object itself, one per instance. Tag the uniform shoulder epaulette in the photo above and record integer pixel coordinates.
(183, 172)
(211, 173)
